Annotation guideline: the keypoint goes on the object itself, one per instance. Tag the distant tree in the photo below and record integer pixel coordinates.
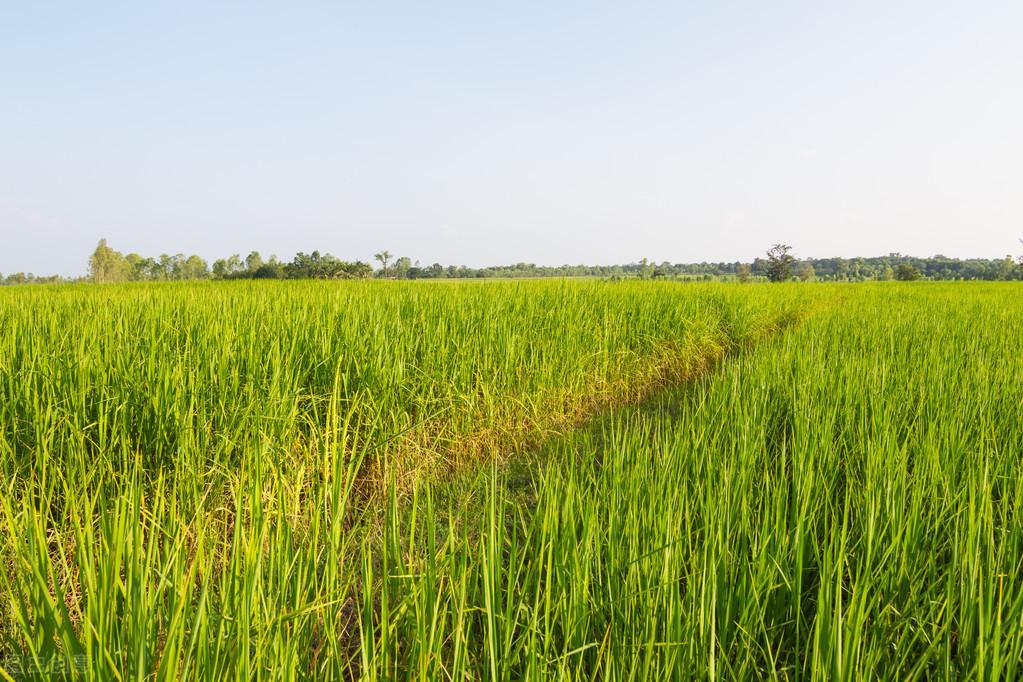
(136, 267)
(164, 267)
(194, 267)
(317, 266)
(907, 272)
(1006, 269)
(779, 263)
(107, 265)
(841, 268)
(253, 261)
(358, 270)
(269, 270)
(646, 270)
(401, 267)
(858, 269)
(232, 266)
(176, 266)
(384, 257)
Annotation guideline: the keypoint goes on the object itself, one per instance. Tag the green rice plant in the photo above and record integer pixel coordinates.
(454, 481)
(842, 502)
(195, 473)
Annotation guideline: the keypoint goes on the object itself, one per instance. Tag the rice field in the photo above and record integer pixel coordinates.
(511, 480)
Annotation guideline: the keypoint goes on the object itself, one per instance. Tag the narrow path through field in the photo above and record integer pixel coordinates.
(519, 471)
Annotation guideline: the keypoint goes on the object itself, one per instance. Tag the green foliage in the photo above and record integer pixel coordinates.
(253, 262)
(779, 263)
(825, 269)
(383, 257)
(210, 480)
(315, 266)
(182, 461)
(107, 265)
(30, 278)
(231, 266)
(304, 266)
(838, 505)
(907, 273)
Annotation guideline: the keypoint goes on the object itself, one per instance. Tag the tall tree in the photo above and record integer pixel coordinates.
(194, 267)
(402, 266)
(107, 265)
(841, 268)
(253, 261)
(646, 270)
(1006, 268)
(779, 263)
(177, 266)
(136, 267)
(384, 257)
(232, 265)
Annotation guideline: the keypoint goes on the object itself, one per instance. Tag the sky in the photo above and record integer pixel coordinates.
(489, 133)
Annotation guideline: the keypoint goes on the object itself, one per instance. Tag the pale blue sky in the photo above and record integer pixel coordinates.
(484, 132)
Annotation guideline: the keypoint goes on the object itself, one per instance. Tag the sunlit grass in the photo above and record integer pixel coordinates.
(453, 481)
(193, 472)
(842, 503)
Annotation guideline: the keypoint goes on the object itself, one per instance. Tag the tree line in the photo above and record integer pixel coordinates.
(109, 265)
(781, 266)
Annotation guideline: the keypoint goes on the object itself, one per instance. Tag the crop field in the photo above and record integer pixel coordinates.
(511, 480)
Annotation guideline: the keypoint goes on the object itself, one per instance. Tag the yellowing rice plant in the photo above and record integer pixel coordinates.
(529, 480)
